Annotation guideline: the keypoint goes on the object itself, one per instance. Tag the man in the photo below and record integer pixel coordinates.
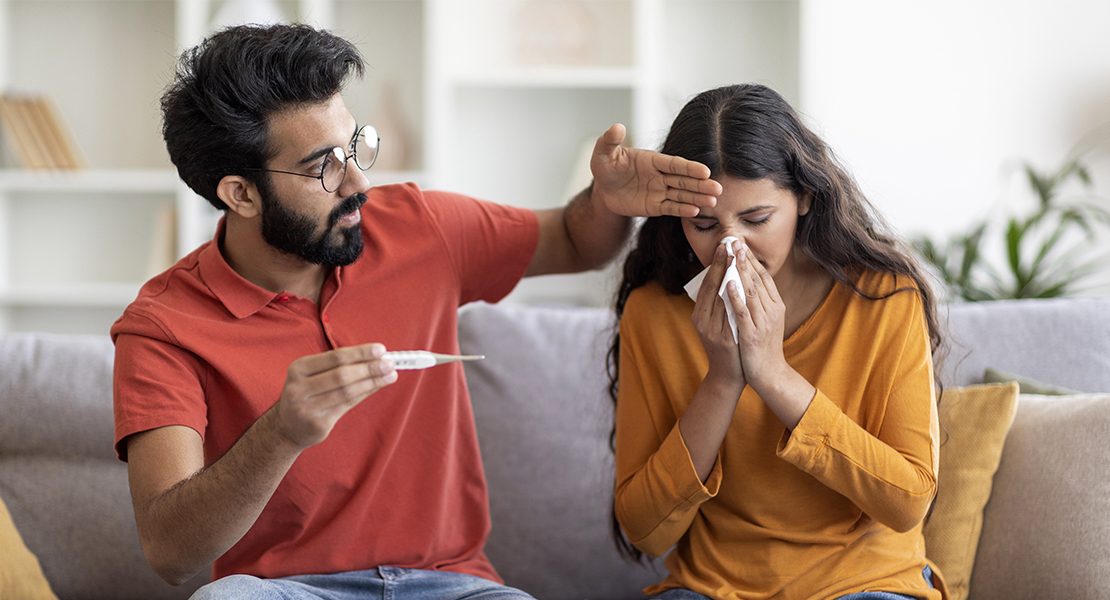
(265, 430)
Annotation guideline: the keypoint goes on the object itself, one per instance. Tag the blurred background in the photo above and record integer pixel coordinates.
(978, 128)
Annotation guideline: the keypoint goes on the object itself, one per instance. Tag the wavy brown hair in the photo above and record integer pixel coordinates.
(750, 132)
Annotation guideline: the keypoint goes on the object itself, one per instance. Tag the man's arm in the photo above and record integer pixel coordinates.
(628, 182)
(189, 514)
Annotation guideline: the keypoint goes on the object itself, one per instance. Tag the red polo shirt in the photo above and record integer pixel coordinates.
(399, 480)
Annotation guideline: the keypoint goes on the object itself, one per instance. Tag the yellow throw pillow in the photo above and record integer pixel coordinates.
(974, 421)
(20, 574)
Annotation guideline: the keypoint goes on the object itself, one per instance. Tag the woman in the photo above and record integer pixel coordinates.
(800, 460)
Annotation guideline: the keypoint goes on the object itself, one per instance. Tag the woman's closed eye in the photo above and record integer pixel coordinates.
(758, 219)
(704, 224)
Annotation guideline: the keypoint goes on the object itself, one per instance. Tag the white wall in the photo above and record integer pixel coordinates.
(933, 104)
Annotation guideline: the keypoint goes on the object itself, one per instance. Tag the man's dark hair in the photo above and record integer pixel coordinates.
(215, 113)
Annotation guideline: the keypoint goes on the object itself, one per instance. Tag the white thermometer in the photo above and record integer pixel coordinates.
(407, 360)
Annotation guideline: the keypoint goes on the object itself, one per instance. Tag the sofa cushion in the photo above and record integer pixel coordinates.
(76, 516)
(974, 421)
(1046, 533)
(543, 418)
(56, 395)
(20, 574)
(1025, 384)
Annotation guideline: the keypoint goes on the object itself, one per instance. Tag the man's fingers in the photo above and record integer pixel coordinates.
(609, 141)
(676, 165)
(673, 208)
(702, 187)
(308, 366)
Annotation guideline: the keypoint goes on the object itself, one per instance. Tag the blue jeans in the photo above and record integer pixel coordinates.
(680, 594)
(375, 584)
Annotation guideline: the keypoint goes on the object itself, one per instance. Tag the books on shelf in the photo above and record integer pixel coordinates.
(36, 134)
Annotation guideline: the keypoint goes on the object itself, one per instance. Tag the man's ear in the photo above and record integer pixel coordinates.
(240, 195)
(805, 203)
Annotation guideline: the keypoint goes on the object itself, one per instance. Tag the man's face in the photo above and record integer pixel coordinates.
(298, 216)
(298, 234)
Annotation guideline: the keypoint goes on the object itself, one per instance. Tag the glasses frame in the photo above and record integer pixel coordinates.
(335, 153)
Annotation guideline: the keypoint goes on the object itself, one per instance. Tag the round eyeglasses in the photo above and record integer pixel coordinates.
(332, 172)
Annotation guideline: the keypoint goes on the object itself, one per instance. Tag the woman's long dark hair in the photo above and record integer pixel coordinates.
(750, 132)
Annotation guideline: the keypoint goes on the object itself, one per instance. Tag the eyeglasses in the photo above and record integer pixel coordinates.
(364, 149)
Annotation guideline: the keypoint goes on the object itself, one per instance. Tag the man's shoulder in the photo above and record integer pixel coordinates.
(176, 291)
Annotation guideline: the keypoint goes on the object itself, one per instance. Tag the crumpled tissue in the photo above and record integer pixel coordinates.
(732, 273)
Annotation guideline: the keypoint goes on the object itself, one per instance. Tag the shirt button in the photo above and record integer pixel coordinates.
(283, 299)
(325, 318)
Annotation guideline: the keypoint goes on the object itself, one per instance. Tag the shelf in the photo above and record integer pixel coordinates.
(90, 295)
(138, 181)
(550, 77)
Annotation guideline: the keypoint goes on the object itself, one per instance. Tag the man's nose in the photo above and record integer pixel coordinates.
(354, 180)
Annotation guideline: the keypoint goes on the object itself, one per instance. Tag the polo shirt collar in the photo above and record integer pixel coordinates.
(241, 297)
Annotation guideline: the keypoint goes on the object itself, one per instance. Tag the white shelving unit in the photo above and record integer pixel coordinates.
(493, 104)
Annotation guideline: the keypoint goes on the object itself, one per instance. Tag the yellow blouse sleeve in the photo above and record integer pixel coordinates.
(890, 474)
(658, 491)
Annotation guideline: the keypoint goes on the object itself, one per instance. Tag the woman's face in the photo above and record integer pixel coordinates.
(758, 213)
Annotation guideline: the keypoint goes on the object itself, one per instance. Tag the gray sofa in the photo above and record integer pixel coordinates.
(544, 419)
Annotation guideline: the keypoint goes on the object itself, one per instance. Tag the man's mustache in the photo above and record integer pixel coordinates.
(349, 205)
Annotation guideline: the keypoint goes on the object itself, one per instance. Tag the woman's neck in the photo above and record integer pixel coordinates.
(803, 286)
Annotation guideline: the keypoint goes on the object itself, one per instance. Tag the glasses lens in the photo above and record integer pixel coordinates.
(335, 169)
(366, 147)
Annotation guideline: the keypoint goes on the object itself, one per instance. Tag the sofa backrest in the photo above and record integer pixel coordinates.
(544, 416)
(1064, 341)
(66, 491)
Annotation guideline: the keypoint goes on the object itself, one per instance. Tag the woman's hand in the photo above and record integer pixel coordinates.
(711, 323)
(760, 323)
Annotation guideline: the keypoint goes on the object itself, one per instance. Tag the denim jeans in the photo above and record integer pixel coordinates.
(679, 594)
(384, 583)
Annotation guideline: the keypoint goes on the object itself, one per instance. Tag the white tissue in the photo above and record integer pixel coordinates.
(732, 273)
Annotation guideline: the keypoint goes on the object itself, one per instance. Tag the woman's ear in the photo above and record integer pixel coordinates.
(240, 195)
(805, 203)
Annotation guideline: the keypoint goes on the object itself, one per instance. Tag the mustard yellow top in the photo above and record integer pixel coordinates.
(832, 508)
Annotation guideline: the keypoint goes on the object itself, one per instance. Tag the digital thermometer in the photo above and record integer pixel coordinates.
(407, 360)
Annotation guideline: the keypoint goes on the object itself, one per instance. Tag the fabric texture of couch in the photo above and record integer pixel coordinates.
(544, 417)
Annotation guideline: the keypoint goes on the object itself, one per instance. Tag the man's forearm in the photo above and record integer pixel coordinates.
(581, 236)
(596, 233)
(186, 527)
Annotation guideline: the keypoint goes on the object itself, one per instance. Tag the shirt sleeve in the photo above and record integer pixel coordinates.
(658, 492)
(490, 245)
(890, 474)
(155, 383)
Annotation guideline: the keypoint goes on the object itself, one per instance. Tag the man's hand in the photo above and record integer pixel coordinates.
(321, 388)
(189, 514)
(642, 183)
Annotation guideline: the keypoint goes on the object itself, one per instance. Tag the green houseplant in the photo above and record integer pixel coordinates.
(1049, 252)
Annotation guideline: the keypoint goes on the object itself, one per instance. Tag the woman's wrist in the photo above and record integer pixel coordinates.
(721, 385)
(786, 393)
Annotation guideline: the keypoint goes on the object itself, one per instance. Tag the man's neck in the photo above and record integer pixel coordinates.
(261, 264)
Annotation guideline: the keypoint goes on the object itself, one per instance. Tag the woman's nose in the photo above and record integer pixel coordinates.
(733, 240)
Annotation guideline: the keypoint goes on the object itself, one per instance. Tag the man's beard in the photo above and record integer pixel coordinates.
(294, 233)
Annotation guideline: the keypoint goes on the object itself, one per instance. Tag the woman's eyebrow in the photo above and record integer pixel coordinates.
(755, 209)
